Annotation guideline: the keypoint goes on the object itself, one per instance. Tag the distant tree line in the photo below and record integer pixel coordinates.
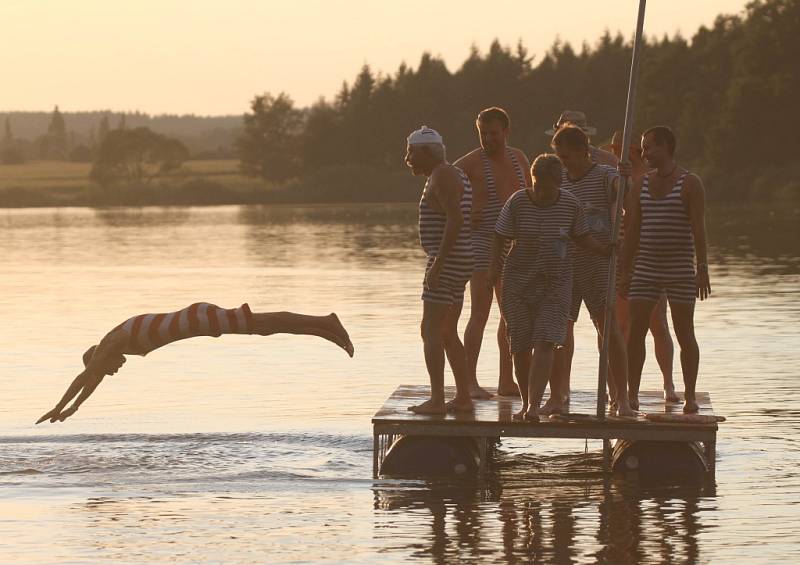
(76, 136)
(730, 94)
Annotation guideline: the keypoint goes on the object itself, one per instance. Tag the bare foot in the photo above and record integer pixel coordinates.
(521, 414)
(626, 412)
(634, 401)
(532, 415)
(475, 391)
(507, 389)
(429, 407)
(339, 335)
(690, 406)
(553, 406)
(460, 405)
(671, 396)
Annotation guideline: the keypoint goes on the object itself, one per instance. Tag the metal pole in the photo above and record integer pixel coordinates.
(623, 188)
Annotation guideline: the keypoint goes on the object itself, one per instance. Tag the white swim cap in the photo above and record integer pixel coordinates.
(425, 135)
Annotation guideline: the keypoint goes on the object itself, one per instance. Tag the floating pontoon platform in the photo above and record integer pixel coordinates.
(492, 420)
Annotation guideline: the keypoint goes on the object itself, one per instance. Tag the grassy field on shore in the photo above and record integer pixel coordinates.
(55, 175)
(54, 183)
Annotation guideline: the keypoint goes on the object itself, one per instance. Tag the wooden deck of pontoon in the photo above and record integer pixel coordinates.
(492, 420)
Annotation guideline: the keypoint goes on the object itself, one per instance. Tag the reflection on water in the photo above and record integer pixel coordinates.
(570, 513)
(248, 449)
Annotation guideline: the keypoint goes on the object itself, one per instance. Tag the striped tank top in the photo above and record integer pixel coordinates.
(432, 223)
(493, 205)
(151, 331)
(666, 243)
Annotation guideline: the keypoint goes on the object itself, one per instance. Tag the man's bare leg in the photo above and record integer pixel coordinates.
(558, 403)
(480, 304)
(433, 316)
(617, 369)
(683, 322)
(505, 384)
(522, 368)
(327, 327)
(640, 311)
(665, 350)
(457, 359)
(541, 368)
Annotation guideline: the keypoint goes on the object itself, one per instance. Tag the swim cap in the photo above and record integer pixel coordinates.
(425, 135)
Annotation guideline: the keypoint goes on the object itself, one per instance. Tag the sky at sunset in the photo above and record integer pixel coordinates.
(211, 57)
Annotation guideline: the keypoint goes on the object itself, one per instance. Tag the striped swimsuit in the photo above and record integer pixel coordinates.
(151, 331)
(665, 258)
(590, 274)
(537, 277)
(459, 263)
(482, 237)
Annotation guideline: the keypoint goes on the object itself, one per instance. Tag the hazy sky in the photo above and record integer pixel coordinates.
(211, 57)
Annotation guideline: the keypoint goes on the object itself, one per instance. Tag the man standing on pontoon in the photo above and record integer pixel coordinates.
(665, 234)
(496, 171)
(444, 233)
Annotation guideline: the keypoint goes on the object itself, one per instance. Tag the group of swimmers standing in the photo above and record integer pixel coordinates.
(539, 238)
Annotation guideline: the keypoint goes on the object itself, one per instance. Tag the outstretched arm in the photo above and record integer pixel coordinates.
(77, 384)
(84, 384)
(89, 385)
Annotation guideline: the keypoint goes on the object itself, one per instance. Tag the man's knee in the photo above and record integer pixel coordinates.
(659, 328)
(684, 333)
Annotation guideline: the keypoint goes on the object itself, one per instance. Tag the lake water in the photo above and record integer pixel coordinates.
(252, 449)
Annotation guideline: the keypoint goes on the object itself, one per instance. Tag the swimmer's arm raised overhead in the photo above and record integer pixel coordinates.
(107, 359)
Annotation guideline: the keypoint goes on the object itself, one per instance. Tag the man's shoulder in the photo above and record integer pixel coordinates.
(518, 153)
(469, 160)
(692, 184)
(692, 179)
(446, 175)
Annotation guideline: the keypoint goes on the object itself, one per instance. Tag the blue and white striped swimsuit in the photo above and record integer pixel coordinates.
(460, 262)
(483, 236)
(665, 258)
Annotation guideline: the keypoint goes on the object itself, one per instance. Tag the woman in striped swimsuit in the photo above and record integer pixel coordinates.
(665, 233)
(444, 233)
(144, 333)
(538, 274)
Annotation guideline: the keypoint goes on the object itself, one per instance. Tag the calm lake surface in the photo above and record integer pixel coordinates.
(251, 449)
